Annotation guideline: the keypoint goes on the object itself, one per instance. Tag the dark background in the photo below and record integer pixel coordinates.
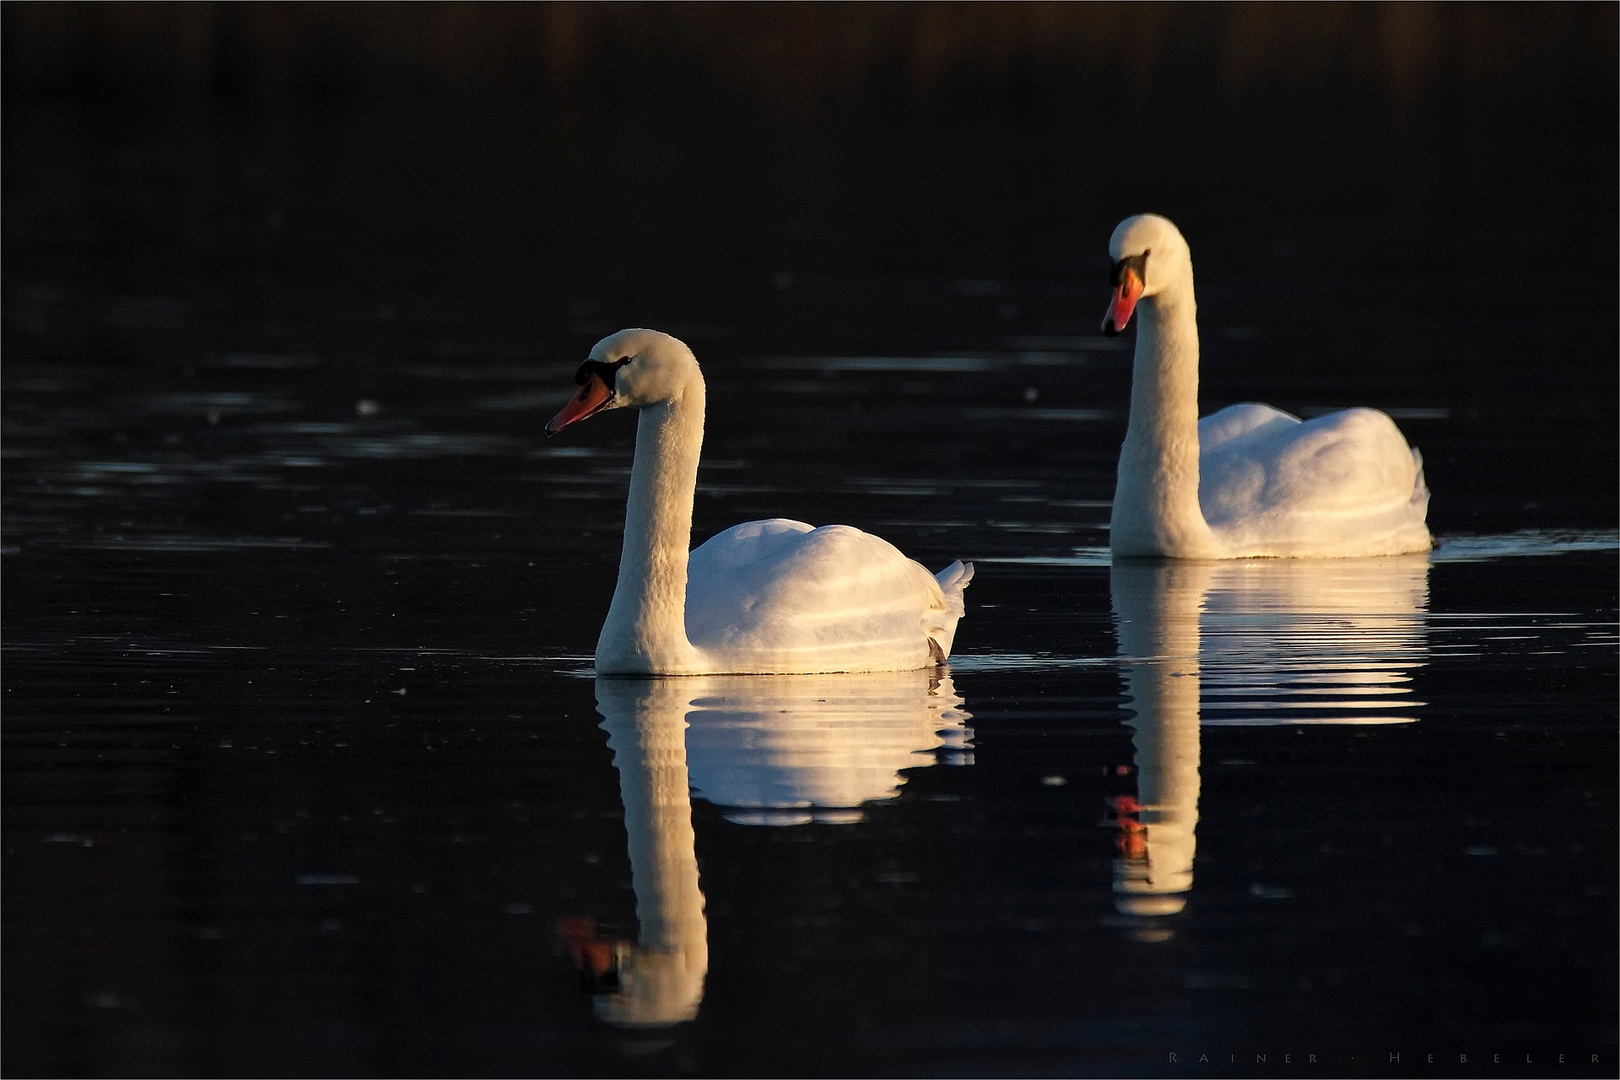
(226, 226)
(1405, 196)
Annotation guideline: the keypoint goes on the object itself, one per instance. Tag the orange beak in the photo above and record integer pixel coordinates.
(592, 398)
(1128, 292)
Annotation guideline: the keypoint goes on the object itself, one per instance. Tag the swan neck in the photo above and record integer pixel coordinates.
(1164, 370)
(1156, 509)
(645, 630)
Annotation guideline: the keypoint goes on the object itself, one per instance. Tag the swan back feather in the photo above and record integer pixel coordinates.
(1345, 484)
(781, 596)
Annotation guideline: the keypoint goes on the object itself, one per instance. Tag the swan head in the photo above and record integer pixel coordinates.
(629, 369)
(1149, 256)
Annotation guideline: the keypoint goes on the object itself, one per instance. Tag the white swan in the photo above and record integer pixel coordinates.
(1250, 480)
(764, 597)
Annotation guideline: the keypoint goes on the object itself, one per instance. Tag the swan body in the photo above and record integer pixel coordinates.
(781, 596)
(1248, 481)
(764, 597)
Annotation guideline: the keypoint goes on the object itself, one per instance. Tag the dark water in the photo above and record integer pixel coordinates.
(305, 773)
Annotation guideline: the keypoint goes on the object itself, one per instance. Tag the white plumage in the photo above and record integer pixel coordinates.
(1344, 484)
(764, 597)
(781, 596)
(1249, 480)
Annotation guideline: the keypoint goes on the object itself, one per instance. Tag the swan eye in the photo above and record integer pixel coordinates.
(1137, 264)
(606, 372)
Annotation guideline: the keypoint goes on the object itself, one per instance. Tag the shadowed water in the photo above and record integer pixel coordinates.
(306, 770)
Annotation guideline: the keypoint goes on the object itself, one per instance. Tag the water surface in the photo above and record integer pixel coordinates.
(306, 772)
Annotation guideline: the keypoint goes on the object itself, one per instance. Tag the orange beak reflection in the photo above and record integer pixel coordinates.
(1126, 294)
(592, 398)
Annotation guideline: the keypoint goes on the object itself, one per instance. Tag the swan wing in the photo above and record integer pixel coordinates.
(1249, 420)
(780, 596)
(1342, 484)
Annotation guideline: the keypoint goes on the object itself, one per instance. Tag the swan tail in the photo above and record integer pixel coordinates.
(952, 580)
(1419, 503)
(942, 629)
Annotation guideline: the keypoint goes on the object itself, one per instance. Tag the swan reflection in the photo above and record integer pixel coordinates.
(791, 749)
(1246, 643)
(767, 750)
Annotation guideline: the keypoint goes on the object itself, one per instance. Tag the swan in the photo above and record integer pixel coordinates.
(1248, 481)
(764, 597)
